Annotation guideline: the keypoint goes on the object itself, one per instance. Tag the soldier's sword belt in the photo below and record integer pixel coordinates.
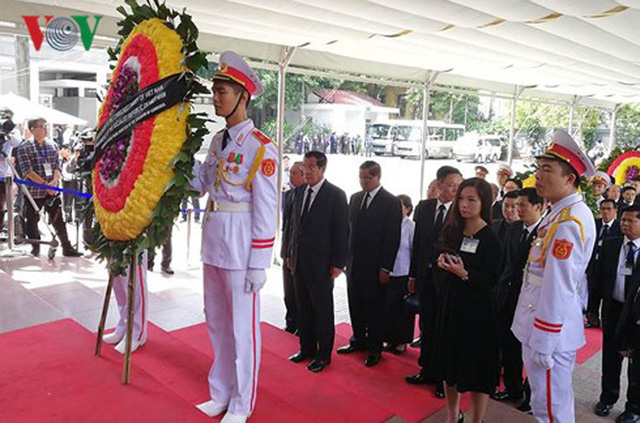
(228, 206)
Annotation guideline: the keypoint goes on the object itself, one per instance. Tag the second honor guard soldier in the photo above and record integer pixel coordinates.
(548, 318)
(238, 233)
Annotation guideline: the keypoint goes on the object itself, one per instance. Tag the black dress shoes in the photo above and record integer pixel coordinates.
(416, 343)
(318, 365)
(347, 349)
(525, 407)
(372, 359)
(506, 396)
(602, 409)
(71, 252)
(439, 392)
(299, 357)
(419, 379)
(628, 417)
(167, 270)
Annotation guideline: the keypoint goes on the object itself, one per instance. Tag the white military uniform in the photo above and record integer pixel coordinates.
(548, 319)
(238, 234)
(140, 307)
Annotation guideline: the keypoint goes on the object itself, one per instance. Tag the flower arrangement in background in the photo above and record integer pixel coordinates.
(624, 166)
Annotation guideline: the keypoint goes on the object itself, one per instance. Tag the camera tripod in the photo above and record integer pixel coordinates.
(11, 252)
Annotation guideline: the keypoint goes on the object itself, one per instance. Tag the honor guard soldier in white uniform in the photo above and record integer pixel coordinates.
(239, 174)
(548, 319)
(140, 308)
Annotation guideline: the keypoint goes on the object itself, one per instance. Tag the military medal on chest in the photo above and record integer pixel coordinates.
(234, 160)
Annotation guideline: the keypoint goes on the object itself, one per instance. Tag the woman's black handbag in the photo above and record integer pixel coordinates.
(411, 304)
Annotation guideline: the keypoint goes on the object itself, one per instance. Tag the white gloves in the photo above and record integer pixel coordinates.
(255, 280)
(543, 360)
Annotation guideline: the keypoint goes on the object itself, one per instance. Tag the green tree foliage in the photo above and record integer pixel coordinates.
(628, 126)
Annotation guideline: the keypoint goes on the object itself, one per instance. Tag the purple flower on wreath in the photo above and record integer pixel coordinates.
(632, 172)
(113, 159)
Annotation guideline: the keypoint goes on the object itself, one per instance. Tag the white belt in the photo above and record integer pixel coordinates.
(228, 206)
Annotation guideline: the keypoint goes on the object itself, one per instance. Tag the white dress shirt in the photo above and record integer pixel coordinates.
(314, 193)
(447, 206)
(618, 289)
(403, 258)
(372, 195)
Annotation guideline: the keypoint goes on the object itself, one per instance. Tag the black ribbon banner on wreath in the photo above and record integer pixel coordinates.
(150, 101)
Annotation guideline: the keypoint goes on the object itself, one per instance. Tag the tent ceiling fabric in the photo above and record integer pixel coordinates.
(589, 49)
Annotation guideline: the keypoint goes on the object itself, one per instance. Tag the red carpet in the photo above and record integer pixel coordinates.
(49, 374)
(593, 345)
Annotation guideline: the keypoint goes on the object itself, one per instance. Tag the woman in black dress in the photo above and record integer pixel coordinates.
(468, 266)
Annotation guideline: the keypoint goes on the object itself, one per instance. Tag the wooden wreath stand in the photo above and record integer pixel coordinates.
(126, 371)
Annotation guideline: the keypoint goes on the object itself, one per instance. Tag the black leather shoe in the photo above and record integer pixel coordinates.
(505, 396)
(372, 359)
(439, 392)
(525, 407)
(35, 251)
(318, 365)
(419, 379)
(71, 252)
(168, 270)
(460, 417)
(299, 357)
(628, 417)
(602, 409)
(347, 349)
(416, 343)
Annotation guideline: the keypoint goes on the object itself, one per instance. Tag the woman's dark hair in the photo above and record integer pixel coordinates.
(405, 200)
(452, 231)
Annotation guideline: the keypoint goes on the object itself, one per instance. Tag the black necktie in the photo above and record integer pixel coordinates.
(365, 203)
(605, 232)
(307, 202)
(525, 235)
(440, 217)
(630, 260)
(225, 139)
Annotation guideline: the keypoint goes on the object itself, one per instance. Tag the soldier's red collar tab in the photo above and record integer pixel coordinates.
(264, 140)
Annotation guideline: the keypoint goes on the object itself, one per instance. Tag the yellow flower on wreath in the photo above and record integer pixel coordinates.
(168, 135)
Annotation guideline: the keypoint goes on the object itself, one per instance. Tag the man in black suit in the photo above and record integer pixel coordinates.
(429, 216)
(517, 244)
(607, 226)
(616, 276)
(509, 214)
(627, 198)
(375, 216)
(295, 179)
(317, 254)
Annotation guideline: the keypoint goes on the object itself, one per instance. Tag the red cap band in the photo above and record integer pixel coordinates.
(563, 153)
(239, 77)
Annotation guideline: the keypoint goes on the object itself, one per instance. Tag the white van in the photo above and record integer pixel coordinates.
(403, 138)
(477, 148)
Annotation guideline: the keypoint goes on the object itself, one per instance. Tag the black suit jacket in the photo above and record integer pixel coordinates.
(375, 234)
(287, 214)
(425, 239)
(614, 231)
(606, 271)
(516, 254)
(501, 228)
(319, 239)
(496, 210)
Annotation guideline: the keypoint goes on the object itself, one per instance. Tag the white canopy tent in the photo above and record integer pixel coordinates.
(24, 109)
(574, 52)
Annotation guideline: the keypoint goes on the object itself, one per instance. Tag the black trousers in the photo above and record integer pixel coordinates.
(290, 301)
(398, 324)
(427, 297)
(366, 310)
(69, 200)
(52, 207)
(167, 254)
(612, 360)
(3, 200)
(315, 313)
(510, 354)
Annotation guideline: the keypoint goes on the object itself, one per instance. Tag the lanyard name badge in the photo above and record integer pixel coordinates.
(48, 170)
(469, 245)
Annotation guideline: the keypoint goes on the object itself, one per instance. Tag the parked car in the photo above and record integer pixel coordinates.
(477, 148)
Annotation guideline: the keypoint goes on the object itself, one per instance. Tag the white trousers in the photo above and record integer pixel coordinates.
(140, 303)
(233, 320)
(552, 398)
